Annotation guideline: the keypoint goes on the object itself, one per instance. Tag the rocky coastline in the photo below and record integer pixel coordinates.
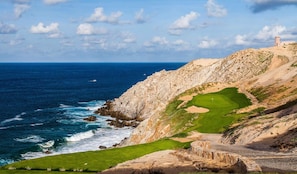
(120, 119)
(267, 76)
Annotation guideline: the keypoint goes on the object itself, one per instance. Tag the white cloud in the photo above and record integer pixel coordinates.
(268, 32)
(184, 22)
(19, 9)
(99, 16)
(128, 37)
(207, 43)
(157, 40)
(181, 45)
(51, 2)
(40, 28)
(88, 29)
(179, 42)
(7, 28)
(139, 16)
(16, 41)
(241, 40)
(215, 10)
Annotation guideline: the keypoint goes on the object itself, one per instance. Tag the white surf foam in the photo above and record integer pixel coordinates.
(16, 118)
(30, 139)
(36, 124)
(6, 161)
(47, 144)
(102, 137)
(81, 136)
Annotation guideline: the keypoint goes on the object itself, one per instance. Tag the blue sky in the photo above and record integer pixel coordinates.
(139, 31)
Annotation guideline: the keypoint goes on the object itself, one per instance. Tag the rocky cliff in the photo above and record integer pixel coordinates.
(272, 70)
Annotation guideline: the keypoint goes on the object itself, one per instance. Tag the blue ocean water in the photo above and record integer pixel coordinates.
(42, 105)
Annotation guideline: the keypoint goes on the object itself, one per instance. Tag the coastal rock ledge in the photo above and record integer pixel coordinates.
(121, 120)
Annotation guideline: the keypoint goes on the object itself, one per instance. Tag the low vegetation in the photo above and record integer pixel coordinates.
(222, 106)
(92, 161)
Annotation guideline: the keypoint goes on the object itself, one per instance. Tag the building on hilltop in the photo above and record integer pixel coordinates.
(277, 41)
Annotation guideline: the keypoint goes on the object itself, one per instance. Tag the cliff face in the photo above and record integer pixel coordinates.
(151, 95)
(244, 69)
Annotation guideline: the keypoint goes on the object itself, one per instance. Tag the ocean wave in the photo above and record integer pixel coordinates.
(5, 161)
(30, 139)
(103, 136)
(65, 106)
(93, 81)
(38, 110)
(47, 144)
(36, 124)
(80, 136)
(16, 118)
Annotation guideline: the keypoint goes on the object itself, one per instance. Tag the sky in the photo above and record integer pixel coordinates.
(140, 31)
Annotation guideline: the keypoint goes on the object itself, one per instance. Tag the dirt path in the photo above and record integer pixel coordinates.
(268, 160)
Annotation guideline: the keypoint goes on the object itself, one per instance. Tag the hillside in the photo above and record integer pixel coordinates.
(165, 102)
(271, 72)
(234, 114)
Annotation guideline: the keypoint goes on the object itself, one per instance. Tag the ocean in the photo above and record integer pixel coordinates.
(42, 106)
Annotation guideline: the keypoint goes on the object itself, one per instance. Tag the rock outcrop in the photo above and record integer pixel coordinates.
(147, 99)
(271, 71)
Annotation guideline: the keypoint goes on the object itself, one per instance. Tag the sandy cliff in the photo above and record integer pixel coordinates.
(147, 99)
(268, 77)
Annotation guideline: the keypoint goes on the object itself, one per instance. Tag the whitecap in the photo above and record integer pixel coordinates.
(102, 137)
(16, 118)
(93, 81)
(47, 144)
(81, 136)
(5, 161)
(30, 139)
(38, 110)
(65, 106)
(36, 124)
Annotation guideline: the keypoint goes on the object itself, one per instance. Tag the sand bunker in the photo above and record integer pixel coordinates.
(195, 109)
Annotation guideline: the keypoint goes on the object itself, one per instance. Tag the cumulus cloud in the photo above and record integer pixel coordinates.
(40, 28)
(266, 35)
(128, 37)
(215, 10)
(99, 16)
(88, 29)
(268, 32)
(182, 23)
(19, 9)
(52, 2)
(139, 17)
(157, 40)
(16, 41)
(207, 43)
(241, 40)
(7, 28)
(181, 45)
(263, 5)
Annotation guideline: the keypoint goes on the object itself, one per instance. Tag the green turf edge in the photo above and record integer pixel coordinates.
(94, 161)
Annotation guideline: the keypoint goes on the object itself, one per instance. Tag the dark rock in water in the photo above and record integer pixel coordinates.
(121, 119)
(102, 147)
(90, 118)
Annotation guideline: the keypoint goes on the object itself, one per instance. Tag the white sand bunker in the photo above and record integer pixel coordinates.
(195, 109)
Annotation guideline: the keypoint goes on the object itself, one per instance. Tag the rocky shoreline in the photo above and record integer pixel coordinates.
(120, 120)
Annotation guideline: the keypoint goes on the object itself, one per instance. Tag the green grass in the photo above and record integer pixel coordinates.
(94, 161)
(221, 113)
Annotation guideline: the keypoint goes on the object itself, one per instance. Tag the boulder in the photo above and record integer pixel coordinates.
(90, 118)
